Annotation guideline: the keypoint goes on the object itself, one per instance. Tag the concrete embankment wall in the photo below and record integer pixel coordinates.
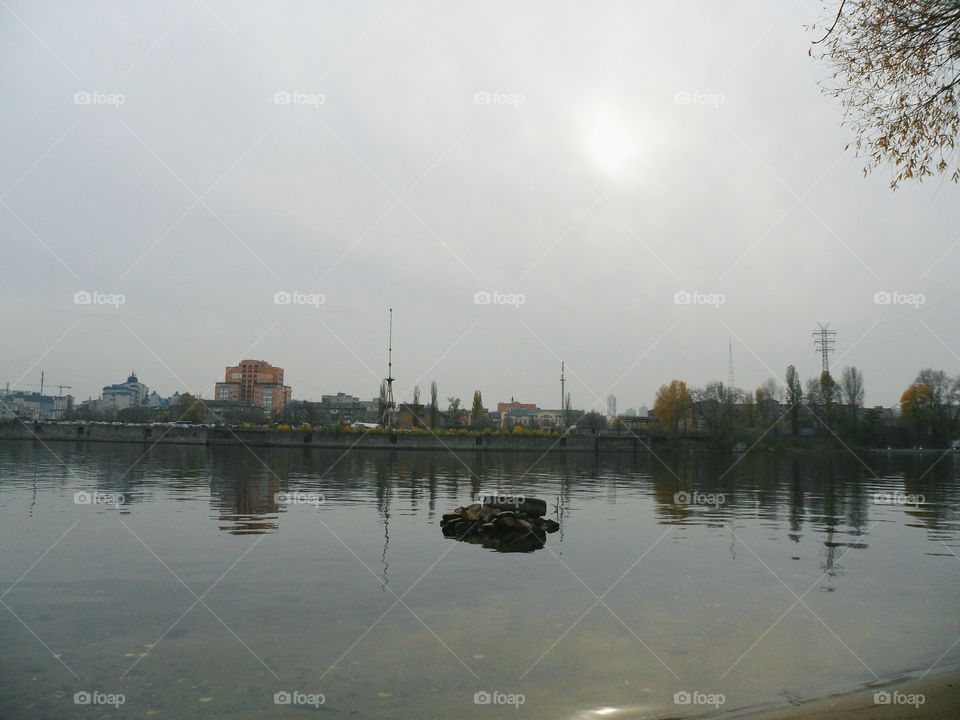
(186, 435)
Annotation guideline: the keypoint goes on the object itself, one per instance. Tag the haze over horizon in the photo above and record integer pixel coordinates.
(198, 158)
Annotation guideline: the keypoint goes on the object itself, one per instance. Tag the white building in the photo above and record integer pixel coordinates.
(132, 393)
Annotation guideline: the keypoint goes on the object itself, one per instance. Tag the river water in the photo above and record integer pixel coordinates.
(194, 582)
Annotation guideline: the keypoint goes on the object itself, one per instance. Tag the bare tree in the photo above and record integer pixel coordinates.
(896, 70)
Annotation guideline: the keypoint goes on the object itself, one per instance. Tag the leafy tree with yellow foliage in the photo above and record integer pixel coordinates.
(672, 406)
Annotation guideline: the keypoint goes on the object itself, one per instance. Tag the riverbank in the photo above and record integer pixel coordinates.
(940, 699)
(320, 439)
(376, 439)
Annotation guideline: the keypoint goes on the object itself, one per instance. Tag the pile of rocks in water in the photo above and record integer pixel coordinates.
(507, 523)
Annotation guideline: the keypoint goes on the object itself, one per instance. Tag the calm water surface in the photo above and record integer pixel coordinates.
(197, 595)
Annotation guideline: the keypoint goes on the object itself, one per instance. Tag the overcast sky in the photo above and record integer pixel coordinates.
(587, 161)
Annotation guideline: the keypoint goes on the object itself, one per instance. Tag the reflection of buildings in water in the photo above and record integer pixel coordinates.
(246, 502)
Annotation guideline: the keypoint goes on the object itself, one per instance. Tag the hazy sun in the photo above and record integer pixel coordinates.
(610, 143)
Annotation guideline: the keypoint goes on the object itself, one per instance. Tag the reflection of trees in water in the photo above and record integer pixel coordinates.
(829, 493)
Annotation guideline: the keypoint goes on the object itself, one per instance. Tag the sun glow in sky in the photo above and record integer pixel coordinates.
(610, 141)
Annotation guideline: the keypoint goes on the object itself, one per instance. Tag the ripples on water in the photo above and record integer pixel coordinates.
(643, 593)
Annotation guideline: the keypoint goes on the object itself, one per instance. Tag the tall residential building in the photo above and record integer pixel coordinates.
(256, 382)
(611, 406)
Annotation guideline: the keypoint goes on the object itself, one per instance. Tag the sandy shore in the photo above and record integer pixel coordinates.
(941, 699)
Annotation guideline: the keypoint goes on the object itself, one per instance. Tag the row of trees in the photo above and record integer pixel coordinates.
(929, 409)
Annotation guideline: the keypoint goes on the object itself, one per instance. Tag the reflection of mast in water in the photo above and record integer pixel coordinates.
(386, 543)
(383, 503)
(829, 566)
(33, 500)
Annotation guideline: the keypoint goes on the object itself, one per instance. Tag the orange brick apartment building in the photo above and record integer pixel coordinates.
(257, 382)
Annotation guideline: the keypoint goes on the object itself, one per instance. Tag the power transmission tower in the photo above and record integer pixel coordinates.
(390, 378)
(824, 340)
(730, 367)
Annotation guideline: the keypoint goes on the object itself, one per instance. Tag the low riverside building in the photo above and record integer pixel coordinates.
(257, 382)
(233, 412)
(343, 409)
(423, 417)
(528, 415)
(22, 405)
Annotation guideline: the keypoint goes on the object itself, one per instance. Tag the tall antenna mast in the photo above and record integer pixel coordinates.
(730, 366)
(563, 397)
(390, 378)
(824, 340)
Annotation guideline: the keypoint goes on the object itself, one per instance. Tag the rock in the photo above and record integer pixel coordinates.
(505, 527)
(488, 514)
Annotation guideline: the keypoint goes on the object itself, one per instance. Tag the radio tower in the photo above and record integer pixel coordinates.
(390, 378)
(730, 367)
(824, 340)
(563, 397)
